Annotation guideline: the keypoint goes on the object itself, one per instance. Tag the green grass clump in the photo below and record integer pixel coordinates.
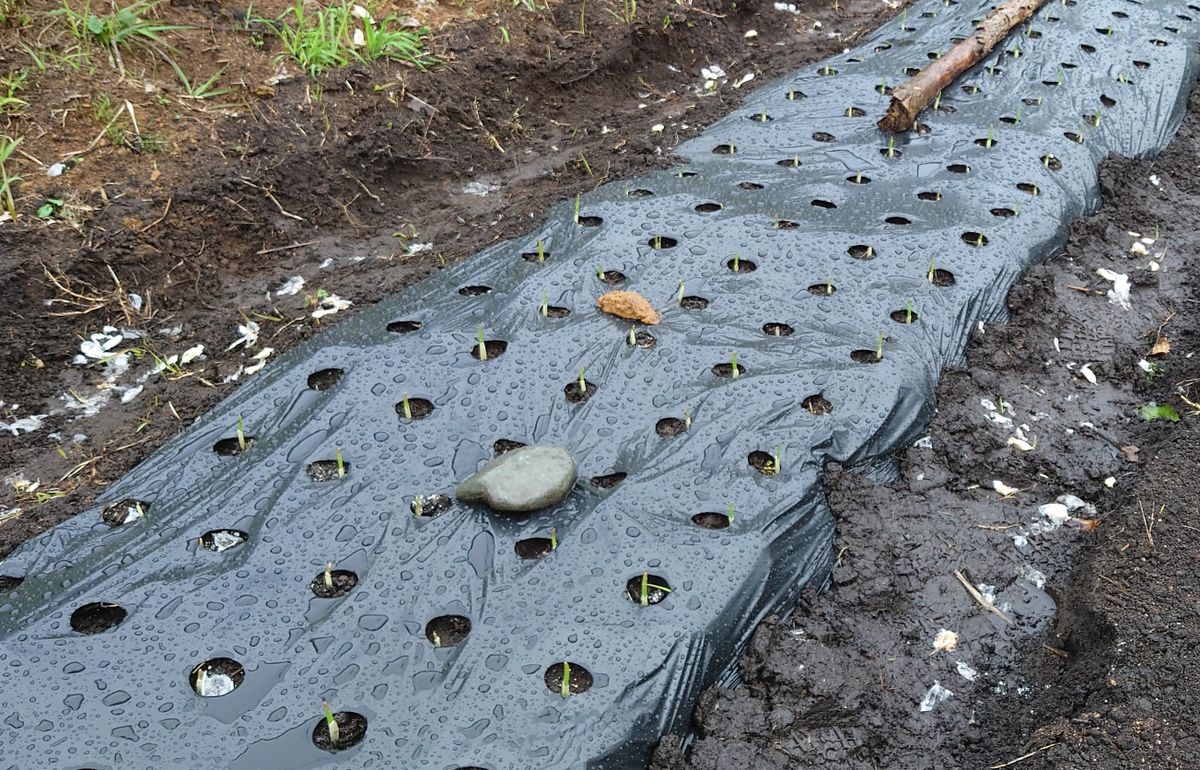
(325, 38)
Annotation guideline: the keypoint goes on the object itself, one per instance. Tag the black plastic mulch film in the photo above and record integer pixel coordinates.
(843, 271)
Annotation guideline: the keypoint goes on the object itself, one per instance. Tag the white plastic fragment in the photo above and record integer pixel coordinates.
(56, 169)
(1138, 248)
(132, 393)
(24, 425)
(261, 360)
(359, 39)
(744, 79)
(1057, 513)
(248, 335)
(1110, 482)
(750, 34)
(1020, 443)
(291, 286)
(786, 7)
(330, 304)
(965, 671)
(191, 354)
(214, 685)
(1088, 374)
(135, 301)
(1004, 489)
(935, 695)
(945, 640)
(1154, 179)
(657, 128)
(1119, 293)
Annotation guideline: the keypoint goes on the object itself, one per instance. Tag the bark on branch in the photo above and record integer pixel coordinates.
(915, 94)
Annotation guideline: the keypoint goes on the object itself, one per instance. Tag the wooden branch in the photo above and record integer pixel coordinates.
(915, 94)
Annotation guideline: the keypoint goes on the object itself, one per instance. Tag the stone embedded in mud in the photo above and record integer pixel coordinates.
(521, 480)
(629, 305)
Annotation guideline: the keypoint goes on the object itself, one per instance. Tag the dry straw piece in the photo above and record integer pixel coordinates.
(629, 305)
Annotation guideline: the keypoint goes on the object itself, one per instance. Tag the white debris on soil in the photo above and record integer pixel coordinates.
(945, 640)
(965, 671)
(99, 346)
(55, 169)
(223, 541)
(1088, 374)
(712, 75)
(935, 695)
(325, 263)
(330, 304)
(786, 7)
(480, 189)
(1035, 576)
(925, 442)
(260, 359)
(135, 301)
(1119, 293)
(417, 248)
(291, 286)
(24, 425)
(130, 394)
(248, 335)
(743, 80)
(1004, 489)
(750, 34)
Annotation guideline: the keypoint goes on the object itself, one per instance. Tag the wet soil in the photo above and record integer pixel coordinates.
(360, 182)
(1085, 656)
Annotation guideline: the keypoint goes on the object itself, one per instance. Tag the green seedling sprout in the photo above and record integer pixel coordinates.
(687, 417)
(541, 251)
(437, 640)
(329, 574)
(729, 512)
(858, 177)
(658, 241)
(341, 465)
(679, 294)
(241, 435)
(979, 240)
(582, 382)
(827, 70)
(578, 204)
(644, 594)
(932, 269)
(418, 506)
(565, 690)
(545, 309)
(908, 312)
(828, 285)
(990, 138)
(778, 457)
(891, 148)
(879, 347)
(882, 87)
(600, 272)
(737, 262)
(200, 675)
(937, 100)
(335, 733)
(761, 117)
(733, 367)
(406, 407)
(1017, 209)
(553, 538)
(632, 335)
(482, 345)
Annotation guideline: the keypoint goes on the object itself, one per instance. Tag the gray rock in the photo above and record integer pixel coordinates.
(523, 479)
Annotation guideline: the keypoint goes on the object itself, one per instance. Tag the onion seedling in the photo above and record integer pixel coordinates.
(937, 100)
(545, 309)
(644, 591)
(433, 637)
(418, 506)
(828, 285)
(329, 575)
(737, 262)
(733, 367)
(482, 345)
(879, 347)
(335, 733)
(341, 465)
(679, 294)
(404, 405)
(932, 270)
(990, 140)
(241, 435)
(908, 312)
(858, 177)
(600, 272)
(687, 417)
(633, 335)
(541, 251)
(553, 538)
(891, 148)
(582, 382)
(578, 204)
(729, 512)
(565, 690)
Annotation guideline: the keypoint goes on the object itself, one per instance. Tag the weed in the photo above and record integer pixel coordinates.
(10, 84)
(7, 145)
(1153, 412)
(335, 733)
(120, 28)
(505, 39)
(332, 36)
(626, 12)
(50, 208)
(198, 90)
(644, 590)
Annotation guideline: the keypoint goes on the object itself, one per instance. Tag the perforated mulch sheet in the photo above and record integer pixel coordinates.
(813, 278)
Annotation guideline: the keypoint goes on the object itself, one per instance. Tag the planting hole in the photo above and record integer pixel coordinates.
(9, 582)
(1074, 137)
(861, 251)
(228, 447)
(502, 445)
(646, 589)
(668, 427)
(890, 152)
(942, 278)
(332, 584)
(898, 220)
(708, 208)
(535, 256)
(1003, 212)
(864, 356)
(822, 289)
(1108, 101)
(1032, 101)
(1051, 162)
(608, 480)
(693, 303)
(763, 462)
(577, 395)
(639, 193)
(792, 162)
(662, 242)
(724, 149)
(785, 224)
(971, 89)
(760, 117)
(794, 95)
(494, 348)
(958, 168)
(124, 511)
(750, 186)
(420, 408)
(554, 312)
(972, 238)
(929, 195)
(532, 548)
(612, 277)
(217, 540)
(474, 291)
(855, 112)
(817, 404)
(823, 136)
(823, 204)
(1087, 48)
(1142, 65)
(216, 677)
(711, 520)
(429, 506)
(987, 142)
(910, 71)
(352, 728)
(774, 329)
(447, 630)
(643, 339)
(740, 265)
(858, 179)
(324, 379)
(589, 221)
(905, 315)
(97, 617)
(577, 678)
(726, 370)
(1027, 187)
(1159, 43)
(404, 327)
(327, 470)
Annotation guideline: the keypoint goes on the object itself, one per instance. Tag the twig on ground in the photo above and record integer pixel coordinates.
(1023, 757)
(978, 597)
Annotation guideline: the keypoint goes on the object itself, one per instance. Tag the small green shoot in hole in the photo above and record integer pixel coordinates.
(329, 575)
(335, 733)
(554, 538)
(418, 506)
(729, 512)
(600, 272)
(679, 294)
(541, 251)
(545, 308)
(937, 100)
(828, 285)
(565, 690)
(632, 335)
(687, 417)
(582, 382)
(644, 590)
(482, 345)
(578, 204)
(908, 311)
(733, 365)
(891, 148)
(341, 465)
(241, 435)
(990, 141)
(406, 407)
(879, 347)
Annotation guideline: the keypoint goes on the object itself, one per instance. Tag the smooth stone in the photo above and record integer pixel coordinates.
(521, 480)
